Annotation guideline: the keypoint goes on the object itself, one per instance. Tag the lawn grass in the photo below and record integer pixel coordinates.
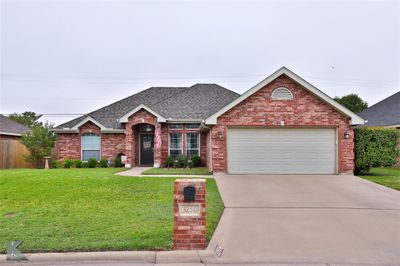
(386, 176)
(177, 171)
(90, 210)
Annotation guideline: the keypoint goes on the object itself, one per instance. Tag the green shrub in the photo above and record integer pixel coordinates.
(85, 165)
(170, 161)
(55, 164)
(92, 162)
(196, 160)
(117, 162)
(189, 164)
(78, 163)
(375, 147)
(103, 163)
(68, 163)
(182, 161)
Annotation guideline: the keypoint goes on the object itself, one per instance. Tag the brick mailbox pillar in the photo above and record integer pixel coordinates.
(189, 214)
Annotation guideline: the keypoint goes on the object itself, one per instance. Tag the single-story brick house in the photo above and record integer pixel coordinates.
(11, 130)
(282, 125)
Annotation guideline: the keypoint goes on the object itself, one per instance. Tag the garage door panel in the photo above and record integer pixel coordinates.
(282, 151)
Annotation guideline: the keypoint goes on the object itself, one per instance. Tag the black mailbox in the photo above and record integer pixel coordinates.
(189, 193)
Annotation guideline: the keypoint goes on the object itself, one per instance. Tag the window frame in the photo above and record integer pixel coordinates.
(192, 128)
(90, 134)
(281, 99)
(169, 143)
(175, 128)
(198, 143)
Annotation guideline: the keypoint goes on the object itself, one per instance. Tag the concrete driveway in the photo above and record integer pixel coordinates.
(307, 219)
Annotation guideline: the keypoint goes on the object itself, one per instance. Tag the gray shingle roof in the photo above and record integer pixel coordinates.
(10, 126)
(383, 113)
(196, 102)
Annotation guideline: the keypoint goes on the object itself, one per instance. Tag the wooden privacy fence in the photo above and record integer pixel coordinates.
(12, 154)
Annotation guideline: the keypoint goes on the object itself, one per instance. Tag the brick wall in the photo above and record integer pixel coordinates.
(304, 110)
(189, 232)
(69, 145)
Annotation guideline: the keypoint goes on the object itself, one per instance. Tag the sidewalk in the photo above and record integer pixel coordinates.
(137, 172)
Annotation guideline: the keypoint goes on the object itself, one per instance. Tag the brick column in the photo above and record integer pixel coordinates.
(128, 144)
(190, 217)
(157, 148)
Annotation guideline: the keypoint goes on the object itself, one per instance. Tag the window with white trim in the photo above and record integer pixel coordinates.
(192, 126)
(192, 145)
(175, 126)
(175, 144)
(282, 93)
(90, 146)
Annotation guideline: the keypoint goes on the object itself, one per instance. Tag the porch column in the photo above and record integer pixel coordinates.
(157, 145)
(129, 145)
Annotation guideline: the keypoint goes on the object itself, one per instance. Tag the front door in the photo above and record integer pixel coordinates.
(146, 149)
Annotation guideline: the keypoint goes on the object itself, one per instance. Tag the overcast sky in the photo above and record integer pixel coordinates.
(72, 57)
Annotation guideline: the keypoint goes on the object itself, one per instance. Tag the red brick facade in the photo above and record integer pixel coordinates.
(69, 145)
(190, 232)
(127, 143)
(258, 110)
(304, 110)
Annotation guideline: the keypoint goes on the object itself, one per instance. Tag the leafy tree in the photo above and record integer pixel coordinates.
(27, 118)
(352, 102)
(39, 142)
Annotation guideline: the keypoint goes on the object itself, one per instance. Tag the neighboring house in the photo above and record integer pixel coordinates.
(385, 113)
(9, 129)
(282, 125)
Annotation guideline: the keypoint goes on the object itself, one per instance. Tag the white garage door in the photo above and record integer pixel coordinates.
(281, 151)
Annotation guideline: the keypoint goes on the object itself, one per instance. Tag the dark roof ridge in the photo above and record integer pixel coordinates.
(381, 101)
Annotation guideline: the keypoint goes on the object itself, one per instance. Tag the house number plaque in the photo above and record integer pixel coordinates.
(189, 209)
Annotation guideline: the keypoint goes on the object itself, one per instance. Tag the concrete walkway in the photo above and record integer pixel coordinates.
(307, 220)
(137, 172)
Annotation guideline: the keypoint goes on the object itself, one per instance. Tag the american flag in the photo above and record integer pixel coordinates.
(158, 138)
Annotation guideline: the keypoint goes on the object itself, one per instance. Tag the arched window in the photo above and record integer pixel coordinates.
(282, 93)
(90, 146)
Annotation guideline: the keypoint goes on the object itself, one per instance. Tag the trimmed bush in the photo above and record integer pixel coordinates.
(85, 165)
(182, 161)
(92, 162)
(68, 163)
(196, 160)
(170, 161)
(103, 163)
(55, 164)
(117, 162)
(78, 164)
(375, 147)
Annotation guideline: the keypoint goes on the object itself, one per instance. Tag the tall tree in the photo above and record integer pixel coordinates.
(39, 142)
(27, 118)
(352, 102)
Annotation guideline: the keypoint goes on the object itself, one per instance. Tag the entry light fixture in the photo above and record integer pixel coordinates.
(220, 135)
(346, 135)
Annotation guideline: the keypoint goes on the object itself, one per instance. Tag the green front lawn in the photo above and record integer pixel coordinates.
(90, 210)
(177, 171)
(386, 176)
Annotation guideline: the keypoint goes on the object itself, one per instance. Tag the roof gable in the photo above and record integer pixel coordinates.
(355, 119)
(124, 118)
